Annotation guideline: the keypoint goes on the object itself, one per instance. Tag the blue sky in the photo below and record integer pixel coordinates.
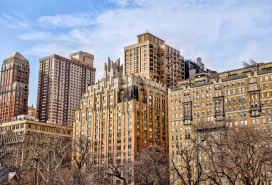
(223, 32)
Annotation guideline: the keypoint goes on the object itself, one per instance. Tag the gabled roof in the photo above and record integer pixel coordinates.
(17, 55)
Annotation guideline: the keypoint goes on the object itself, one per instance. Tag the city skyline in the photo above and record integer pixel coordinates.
(222, 34)
(186, 102)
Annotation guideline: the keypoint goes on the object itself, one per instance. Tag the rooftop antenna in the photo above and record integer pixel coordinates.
(252, 62)
(245, 64)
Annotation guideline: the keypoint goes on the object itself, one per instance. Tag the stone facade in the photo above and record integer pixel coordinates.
(120, 115)
(236, 98)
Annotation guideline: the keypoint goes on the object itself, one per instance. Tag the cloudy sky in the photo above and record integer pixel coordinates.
(223, 32)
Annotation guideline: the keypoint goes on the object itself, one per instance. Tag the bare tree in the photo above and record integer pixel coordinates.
(11, 149)
(151, 167)
(38, 158)
(45, 157)
(52, 153)
(89, 166)
(84, 168)
(116, 168)
(216, 172)
(4, 151)
(184, 166)
(240, 154)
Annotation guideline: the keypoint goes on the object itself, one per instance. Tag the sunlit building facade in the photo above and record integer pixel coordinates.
(236, 98)
(14, 87)
(152, 58)
(120, 115)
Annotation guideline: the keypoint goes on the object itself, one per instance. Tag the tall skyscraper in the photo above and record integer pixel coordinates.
(152, 58)
(14, 87)
(120, 115)
(62, 82)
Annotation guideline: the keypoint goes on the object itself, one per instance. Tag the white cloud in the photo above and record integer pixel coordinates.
(121, 3)
(221, 32)
(39, 36)
(14, 22)
(64, 21)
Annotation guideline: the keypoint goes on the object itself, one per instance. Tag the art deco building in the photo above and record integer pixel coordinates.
(62, 81)
(120, 115)
(152, 58)
(14, 87)
(236, 98)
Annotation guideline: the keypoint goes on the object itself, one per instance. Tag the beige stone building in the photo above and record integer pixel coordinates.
(152, 58)
(120, 115)
(236, 98)
(24, 125)
(32, 111)
(15, 133)
(24, 141)
(62, 81)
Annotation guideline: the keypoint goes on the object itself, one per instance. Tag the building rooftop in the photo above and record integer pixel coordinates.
(148, 36)
(17, 55)
(25, 117)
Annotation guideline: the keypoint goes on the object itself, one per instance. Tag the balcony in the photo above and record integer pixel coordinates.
(254, 114)
(209, 127)
(255, 110)
(218, 97)
(186, 118)
(255, 106)
(201, 84)
(264, 71)
(187, 103)
(219, 113)
(235, 77)
(256, 91)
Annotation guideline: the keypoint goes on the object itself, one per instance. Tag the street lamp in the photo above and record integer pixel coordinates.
(36, 160)
(197, 170)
